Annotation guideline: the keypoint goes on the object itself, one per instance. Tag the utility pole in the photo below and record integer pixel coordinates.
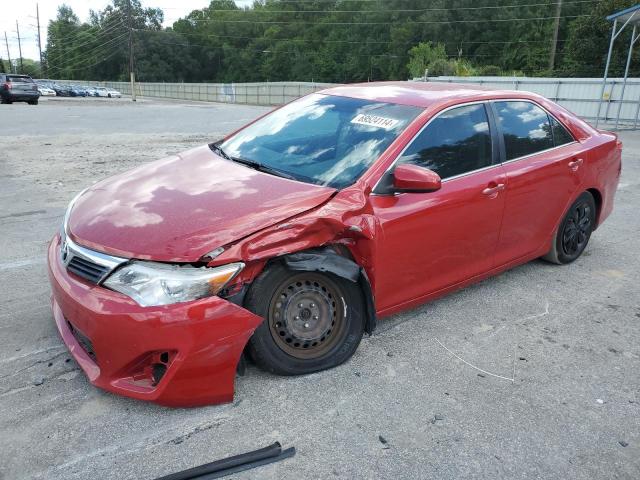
(19, 46)
(554, 41)
(43, 70)
(131, 74)
(6, 42)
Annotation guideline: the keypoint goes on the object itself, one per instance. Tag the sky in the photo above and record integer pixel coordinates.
(24, 11)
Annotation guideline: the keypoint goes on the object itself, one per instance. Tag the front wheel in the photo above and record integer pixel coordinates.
(574, 232)
(312, 321)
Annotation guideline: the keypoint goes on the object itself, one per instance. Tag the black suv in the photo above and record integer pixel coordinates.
(18, 88)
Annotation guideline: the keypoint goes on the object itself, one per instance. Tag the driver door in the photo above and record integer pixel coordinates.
(431, 241)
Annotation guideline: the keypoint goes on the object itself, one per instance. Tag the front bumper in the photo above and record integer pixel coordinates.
(120, 344)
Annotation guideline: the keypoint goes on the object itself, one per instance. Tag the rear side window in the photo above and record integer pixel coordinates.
(525, 127)
(456, 142)
(561, 135)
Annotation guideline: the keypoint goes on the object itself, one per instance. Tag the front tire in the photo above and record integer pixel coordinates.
(312, 321)
(574, 232)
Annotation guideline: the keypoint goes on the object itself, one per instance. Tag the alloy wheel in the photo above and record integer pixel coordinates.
(577, 229)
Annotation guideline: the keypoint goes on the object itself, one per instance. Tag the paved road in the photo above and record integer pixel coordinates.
(568, 336)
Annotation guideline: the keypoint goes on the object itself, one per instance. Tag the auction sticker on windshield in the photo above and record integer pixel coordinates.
(375, 121)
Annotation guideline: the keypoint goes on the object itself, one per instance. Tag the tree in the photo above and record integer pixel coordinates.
(588, 43)
(425, 55)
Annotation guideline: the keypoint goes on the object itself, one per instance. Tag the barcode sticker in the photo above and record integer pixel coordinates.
(375, 121)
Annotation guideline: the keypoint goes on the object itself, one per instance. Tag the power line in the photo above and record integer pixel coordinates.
(71, 65)
(85, 43)
(392, 10)
(413, 22)
(359, 42)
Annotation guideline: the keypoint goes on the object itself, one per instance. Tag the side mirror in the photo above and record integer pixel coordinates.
(414, 179)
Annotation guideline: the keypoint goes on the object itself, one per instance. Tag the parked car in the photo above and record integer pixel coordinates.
(61, 90)
(18, 88)
(91, 91)
(77, 91)
(46, 91)
(289, 238)
(102, 92)
(113, 93)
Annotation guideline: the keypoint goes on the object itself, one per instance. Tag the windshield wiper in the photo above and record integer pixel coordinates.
(263, 168)
(218, 149)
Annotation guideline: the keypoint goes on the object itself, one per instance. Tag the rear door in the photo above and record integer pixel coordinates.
(434, 240)
(544, 166)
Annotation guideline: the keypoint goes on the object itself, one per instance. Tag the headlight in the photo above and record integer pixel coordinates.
(151, 284)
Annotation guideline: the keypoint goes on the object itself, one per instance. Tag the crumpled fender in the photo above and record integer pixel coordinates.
(345, 219)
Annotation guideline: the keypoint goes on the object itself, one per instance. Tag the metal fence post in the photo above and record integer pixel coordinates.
(606, 69)
(626, 73)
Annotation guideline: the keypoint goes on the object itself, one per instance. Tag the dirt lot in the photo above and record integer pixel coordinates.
(569, 337)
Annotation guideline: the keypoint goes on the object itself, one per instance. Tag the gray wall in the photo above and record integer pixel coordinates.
(274, 93)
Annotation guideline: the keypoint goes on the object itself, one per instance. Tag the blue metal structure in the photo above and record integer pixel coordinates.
(630, 16)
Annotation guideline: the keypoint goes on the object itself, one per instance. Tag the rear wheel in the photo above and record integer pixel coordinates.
(33, 102)
(574, 232)
(312, 321)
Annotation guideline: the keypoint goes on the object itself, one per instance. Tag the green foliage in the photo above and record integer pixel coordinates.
(335, 41)
(490, 71)
(427, 56)
(588, 43)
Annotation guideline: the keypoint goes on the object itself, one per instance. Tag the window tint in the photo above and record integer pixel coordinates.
(525, 127)
(561, 135)
(456, 142)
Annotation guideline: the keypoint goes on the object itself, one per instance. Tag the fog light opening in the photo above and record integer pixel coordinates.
(157, 372)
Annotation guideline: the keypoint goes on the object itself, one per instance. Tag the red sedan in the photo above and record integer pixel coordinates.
(289, 238)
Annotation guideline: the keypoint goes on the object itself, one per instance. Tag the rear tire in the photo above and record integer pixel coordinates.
(574, 231)
(33, 102)
(312, 321)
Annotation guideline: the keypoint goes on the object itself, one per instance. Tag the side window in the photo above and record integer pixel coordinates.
(525, 127)
(455, 142)
(561, 135)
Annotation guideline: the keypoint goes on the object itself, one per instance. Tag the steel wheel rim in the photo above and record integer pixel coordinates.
(307, 316)
(577, 229)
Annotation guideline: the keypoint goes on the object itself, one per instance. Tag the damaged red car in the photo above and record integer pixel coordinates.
(289, 238)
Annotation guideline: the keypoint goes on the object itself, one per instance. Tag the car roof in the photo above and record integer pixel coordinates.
(422, 94)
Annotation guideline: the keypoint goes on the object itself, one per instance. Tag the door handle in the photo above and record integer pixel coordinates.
(494, 189)
(574, 165)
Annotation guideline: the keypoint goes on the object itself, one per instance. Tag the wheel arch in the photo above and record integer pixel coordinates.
(338, 261)
(597, 197)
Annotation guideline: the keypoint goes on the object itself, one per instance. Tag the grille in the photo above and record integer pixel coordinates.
(88, 264)
(87, 269)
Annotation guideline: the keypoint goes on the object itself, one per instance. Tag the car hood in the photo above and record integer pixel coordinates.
(180, 208)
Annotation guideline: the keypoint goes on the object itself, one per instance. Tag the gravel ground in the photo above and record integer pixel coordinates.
(420, 398)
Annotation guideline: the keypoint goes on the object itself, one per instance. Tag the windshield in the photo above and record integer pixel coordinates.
(322, 139)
